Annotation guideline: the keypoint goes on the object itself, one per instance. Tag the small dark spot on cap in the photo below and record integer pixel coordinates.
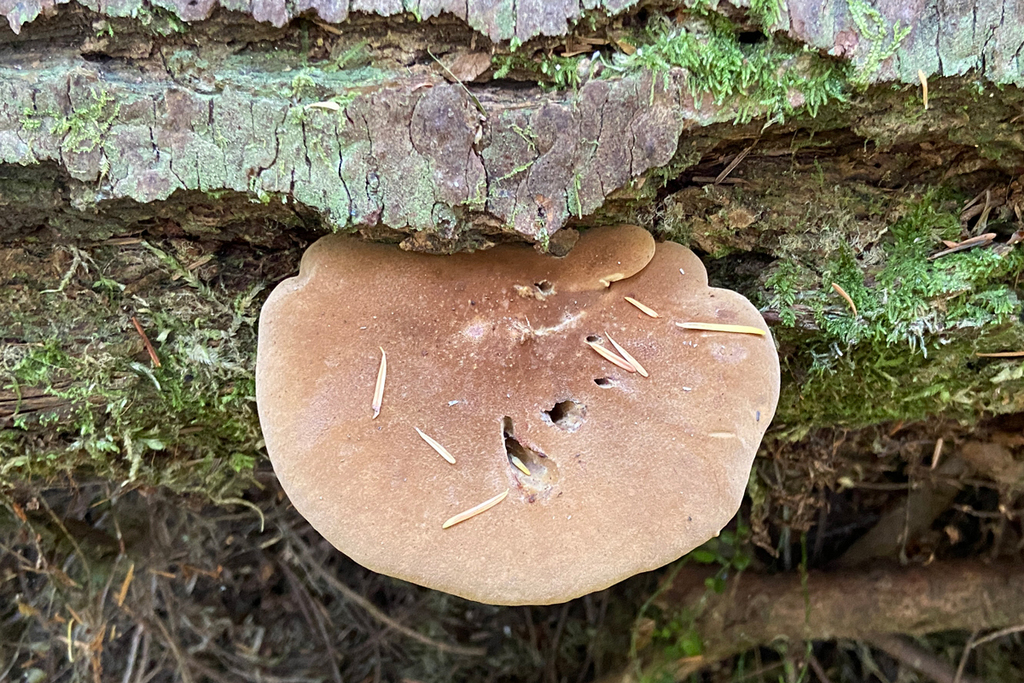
(758, 416)
(689, 519)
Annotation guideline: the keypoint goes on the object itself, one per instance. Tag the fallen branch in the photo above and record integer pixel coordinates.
(760, 610)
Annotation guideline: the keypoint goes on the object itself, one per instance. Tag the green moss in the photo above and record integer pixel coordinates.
(84, 128)
(303, 86)
(867, 385)
(675, 636)
(160, 21)
(766, 12)
(551, 71)
(883, 40)
(189, 424)
(774, 78)
(910, 350)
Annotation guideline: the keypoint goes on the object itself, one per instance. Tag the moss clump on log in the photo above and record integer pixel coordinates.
(188, 424)
(910, 349)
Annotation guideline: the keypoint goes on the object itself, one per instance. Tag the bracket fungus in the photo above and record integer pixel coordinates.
(572, 472)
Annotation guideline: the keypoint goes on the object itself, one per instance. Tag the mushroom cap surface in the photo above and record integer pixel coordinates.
(487, 354)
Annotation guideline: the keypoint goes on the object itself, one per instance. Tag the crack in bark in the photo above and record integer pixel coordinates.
(277, 152)
(632, 131)
(341, 163)
(371, 172)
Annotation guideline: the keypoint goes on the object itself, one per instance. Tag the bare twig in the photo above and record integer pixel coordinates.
(963, 657)
(354, 597)
(970, 204)
(979, 227)
(937, 452)
(851, 604)
(979, 241)
(67, 534)
(711, 180)
(917, 658)
(999, 634)
(734, 163)
(818, 669)
(315, 619)
(145, 656)
(183, 665)
(132, 653)
(550, 668)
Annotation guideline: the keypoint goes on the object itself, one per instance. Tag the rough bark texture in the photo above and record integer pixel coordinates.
(408, 152)
(939, 39)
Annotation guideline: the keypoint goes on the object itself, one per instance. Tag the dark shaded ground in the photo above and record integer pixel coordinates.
(150, 586)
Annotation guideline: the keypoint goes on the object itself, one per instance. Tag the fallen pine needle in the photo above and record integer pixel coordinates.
(1001, 354)
(378, 391)
(520, 466)
(145, 342)
(979, 241)
(842, 292)
(611, 357)
(332, 106)
(123, 593)
(626, 46)
(733, 164)
(646, 309)
(441, 450)
(629, 358)
(937, 452)
(715, 327)
(475, 510)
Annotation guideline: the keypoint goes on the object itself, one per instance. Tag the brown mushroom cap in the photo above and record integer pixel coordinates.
(487, 354)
